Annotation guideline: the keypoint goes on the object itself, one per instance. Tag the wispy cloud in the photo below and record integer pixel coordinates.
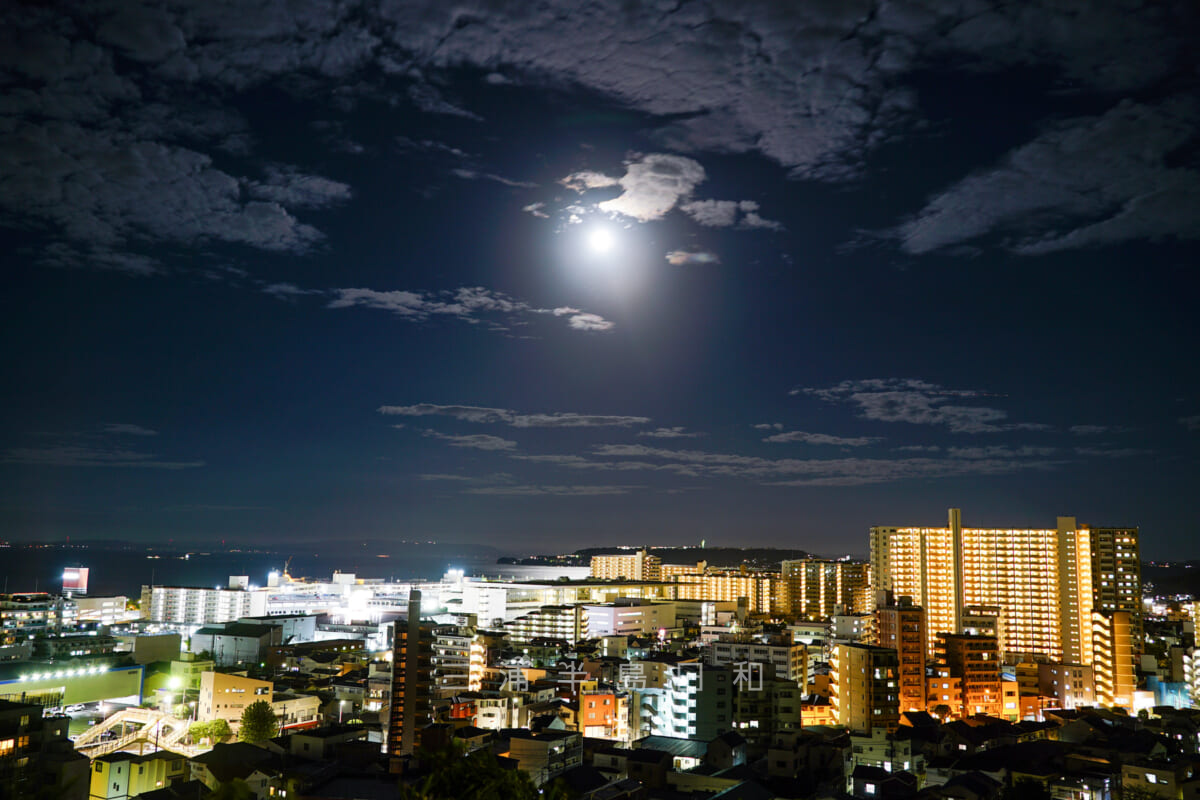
(670, 433)
(682, 257)
(792, 471)
(126, 429)
(919, 403)
(729, 214)
(80, 456)
(504, 416)
(821, 438)
(468, 303)
(1191, 423)
(533, 490)
(475, 175)
(475, 441)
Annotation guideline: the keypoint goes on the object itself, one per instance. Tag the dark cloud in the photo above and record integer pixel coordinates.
(1084, 182)
(127, 429)
(506, 416)
(920, 403)
(820, 439)
(475, 441)
(80, 456)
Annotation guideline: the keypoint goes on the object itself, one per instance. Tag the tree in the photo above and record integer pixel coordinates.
(259, 723)
(199, 730)
(219, 731)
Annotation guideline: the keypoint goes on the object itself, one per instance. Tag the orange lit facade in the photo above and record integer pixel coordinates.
(1045, 583)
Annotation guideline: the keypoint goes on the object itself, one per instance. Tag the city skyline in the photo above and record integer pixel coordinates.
(544, 280)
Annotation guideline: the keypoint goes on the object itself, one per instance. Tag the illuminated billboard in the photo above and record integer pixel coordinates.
(75, 579)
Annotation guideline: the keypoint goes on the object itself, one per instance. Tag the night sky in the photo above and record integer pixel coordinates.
(552, 275)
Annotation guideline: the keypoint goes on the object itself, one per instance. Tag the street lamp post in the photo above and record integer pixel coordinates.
(341, 705)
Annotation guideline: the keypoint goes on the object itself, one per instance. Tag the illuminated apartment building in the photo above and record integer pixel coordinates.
(900, 625)
(1045, 583)
(637, 567)
(864, 686)
(765, 592)
(815, 586)
(975, 661)
(569, 623)
(412, 681)
(1113, 658)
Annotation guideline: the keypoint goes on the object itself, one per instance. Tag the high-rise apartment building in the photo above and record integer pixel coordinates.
(1113, 658)
(640, 566)
(816, 586)
(412, 680)
(1045, 583)
(900, 625)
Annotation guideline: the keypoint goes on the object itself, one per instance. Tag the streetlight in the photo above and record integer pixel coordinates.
(341, 705)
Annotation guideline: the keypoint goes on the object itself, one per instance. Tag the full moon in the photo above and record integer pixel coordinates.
(600, 240)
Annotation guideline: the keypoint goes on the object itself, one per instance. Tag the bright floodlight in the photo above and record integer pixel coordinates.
(600, 240)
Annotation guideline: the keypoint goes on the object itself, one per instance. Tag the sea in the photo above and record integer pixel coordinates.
(124, 570)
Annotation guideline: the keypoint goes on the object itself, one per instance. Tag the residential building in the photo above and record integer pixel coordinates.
(777, 658)
(24, 615)
(1045, 583)
(696, 702)
(412, 681)
(816, 586)
(36, 755)
(604, 715)
(190, 605)
(629, 617)
(570, 623)
(900, 625)
(864, 686)
(975, 661)
(639, 566)
(1066, 686)
(1113, 658)
(122, 775)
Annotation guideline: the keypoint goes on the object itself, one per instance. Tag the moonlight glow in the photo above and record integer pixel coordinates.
(601, 240)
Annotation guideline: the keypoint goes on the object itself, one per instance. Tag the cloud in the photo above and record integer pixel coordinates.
(1000, 451)
(589, 322)
(467, 303)
(1191, 423)
(126, 429)
(288, 186)
(582, 321)
(475, 441)
(428, 99)
(725, 214)
(587, 180)
(536, 210)
(63, 255)
(822, 439)
(681, 257)
(1113, 452)
(919, 403)
(815, 87)
(79, 456)
(1087, 181)
(287, 291)
(484, 415)
(652, 186)
(768, 426)
(473, 175)
(670, 433)
(1088, 430)
(701, 464)
(552, 491)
